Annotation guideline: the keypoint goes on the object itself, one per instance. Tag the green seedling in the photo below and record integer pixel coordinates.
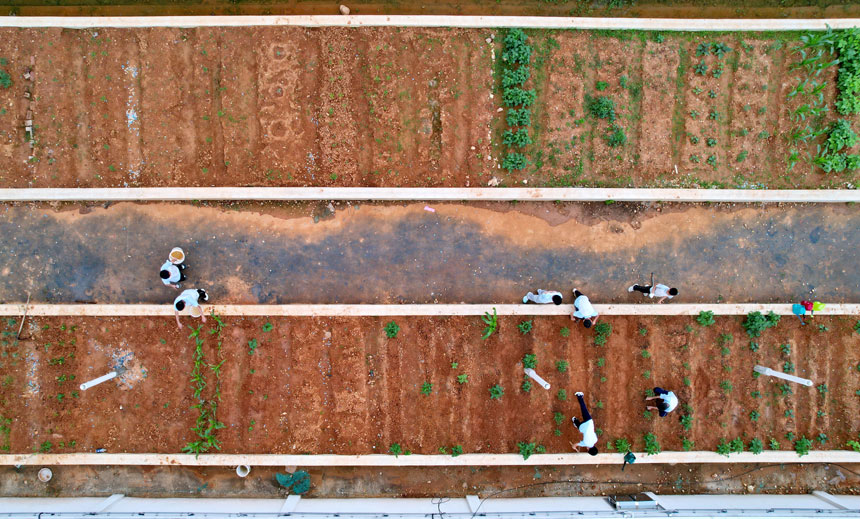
(496, 392)
(391, 330)
(426, 388)
(525, 327)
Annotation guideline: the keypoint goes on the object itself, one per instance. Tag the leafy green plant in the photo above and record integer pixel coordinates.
(561, 366)
(514, 162)
(714, 115)
(785, 349)
(516, 96)
(530, 361)
(462, 378)
(712, 161)
(519, 138)
(426, 388)
(252, 346)
(687, 381)
(515, 77)
(558, 418)
(622, 445)
(718, 70)
(519, 117)
(706, 318)
(5, 79)
(527, 385)
(565, 332)
(391, 330)
(456, 450)
(726, 386)
(496, 392)
(694, 114)
(600, 362)
(600, 107)
(395, 449)
(601, 333)
(652, 446)
(756, 323)
(701, 69)
(703, 49)
(527, 449)
(720, 49)
(774, 445)
(712, 94)
(492, 322)
(645, 354)
(801, 446)
(615, 136)
(562, 395)
(686, 421)
(694, 139)
(788, 367)
(821, 438)
(848, 81)
(822, 389)
(695, 159)
(298, 482)
(516, 49)
(525, 327)
(711, 142)
(754, 416)
(600, 86)
(687, 445)
(756, 446)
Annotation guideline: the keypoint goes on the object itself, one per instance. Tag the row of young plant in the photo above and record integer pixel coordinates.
(207, 424)
(818, 52)
(517, 56)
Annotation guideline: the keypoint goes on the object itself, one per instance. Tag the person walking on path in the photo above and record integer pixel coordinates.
(172, 275)
(543, 297)
(652, 291)
(586, 427)
(667, 401)
(583, 309)
(190, 298)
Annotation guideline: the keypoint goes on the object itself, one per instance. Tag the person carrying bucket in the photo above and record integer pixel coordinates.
(190, 298)
(171, 272)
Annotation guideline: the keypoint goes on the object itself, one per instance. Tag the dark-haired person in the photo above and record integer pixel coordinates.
(583, 310)
(189, 298)
(543, 297)
(586, 427)
(666, 401)
(172, 275)
(652, 291)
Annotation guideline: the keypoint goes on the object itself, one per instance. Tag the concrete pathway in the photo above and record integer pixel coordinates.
(403, 253)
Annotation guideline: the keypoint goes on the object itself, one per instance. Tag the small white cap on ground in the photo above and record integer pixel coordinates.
(344, 9)
(45, 475)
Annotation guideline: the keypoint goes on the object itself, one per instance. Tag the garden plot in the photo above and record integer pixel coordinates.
(424, 107)
(422, 385)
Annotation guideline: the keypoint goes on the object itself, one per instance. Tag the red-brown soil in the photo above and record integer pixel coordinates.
(392, 107)
(338, 385)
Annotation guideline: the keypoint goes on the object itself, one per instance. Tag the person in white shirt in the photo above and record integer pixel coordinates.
(190, 297)
(586, 427)
(583, 310)
(543, 297)
(172, 275)
(652, 291)
(667, 401)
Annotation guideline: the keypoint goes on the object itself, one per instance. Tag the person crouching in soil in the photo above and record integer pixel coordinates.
(543, 297)
(583, 310)
(666, 401)
(190, 298)
(586, 427)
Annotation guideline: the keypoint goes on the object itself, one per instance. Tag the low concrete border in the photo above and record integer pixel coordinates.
(504, 194)
(537, 22)
(361, 310)
(419, 460)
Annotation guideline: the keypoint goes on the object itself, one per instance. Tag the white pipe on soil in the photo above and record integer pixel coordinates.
(778, 374)
(537, 378)
(97, 381)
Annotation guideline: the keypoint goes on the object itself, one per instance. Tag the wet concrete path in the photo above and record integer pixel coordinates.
(403, 253)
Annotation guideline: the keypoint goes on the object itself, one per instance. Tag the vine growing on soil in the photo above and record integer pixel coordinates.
(207, 424)
(516, 55)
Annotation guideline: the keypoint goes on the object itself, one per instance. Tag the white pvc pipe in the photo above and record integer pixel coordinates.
(97, 381)
(778, 374)
(537, 378)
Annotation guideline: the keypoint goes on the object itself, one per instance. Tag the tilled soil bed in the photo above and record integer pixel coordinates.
(339, 385)
(290, 106)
